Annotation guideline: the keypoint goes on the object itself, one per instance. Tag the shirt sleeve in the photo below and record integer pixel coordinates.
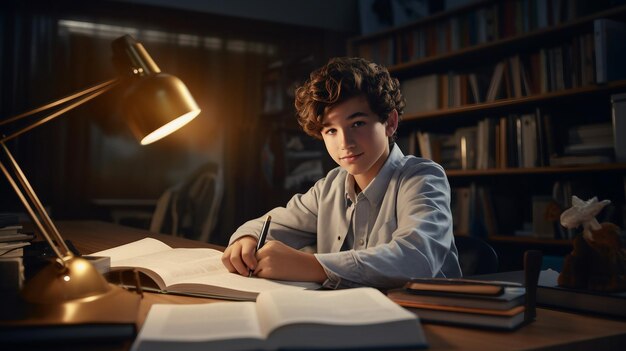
(419, 246)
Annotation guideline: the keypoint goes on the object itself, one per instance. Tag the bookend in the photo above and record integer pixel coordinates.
(532, 266)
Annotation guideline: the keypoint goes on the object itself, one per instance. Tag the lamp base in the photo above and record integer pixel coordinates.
(52, 309)
(110, 317)
(69, 279)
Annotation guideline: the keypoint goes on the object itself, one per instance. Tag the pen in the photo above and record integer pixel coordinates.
(261, 242)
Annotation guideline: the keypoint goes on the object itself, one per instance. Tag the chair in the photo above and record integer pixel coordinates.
(190, 209)
(476, 256)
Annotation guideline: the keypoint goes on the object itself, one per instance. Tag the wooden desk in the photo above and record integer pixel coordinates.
(552, 329)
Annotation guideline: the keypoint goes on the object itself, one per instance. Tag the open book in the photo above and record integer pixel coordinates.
(284, 319)
(195, 271)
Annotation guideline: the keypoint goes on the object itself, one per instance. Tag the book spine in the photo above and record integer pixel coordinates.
(618, 103)
(599, 30)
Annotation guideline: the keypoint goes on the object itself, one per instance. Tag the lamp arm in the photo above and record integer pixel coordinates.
(34, 208)
(80, 97)
(18, 180)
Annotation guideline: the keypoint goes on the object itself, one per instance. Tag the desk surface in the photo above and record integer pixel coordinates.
(551, 330)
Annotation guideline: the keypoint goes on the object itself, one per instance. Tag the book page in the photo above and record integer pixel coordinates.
(237, 282)
(177, 265)
(134, 249)
(192, 270)
(201, 322)
(358, 306)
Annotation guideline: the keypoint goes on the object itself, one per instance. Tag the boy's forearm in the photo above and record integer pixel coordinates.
(313, 269)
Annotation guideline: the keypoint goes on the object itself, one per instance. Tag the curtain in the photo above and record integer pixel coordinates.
(89, 152)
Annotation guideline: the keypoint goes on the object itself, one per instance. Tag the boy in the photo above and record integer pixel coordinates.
(380, 218)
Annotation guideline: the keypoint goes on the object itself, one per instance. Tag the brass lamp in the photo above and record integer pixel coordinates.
(70, 289)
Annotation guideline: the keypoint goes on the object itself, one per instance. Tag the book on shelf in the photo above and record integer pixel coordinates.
(461, 203)
(589, 139)
(495, 86)
(610, 49)
(543, 211)
(425, 146)
(473, 211)
(466, 146)
(408, 144)
(467, 302)
(190, 271)
(618, 116)
(529, 140)
(562, 161)
(421, 93)
(352, 318)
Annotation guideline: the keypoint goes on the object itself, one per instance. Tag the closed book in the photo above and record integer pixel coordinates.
(457, 285)
(10, 230)
(549, 294)
(13, 249)
(511, 320)
(16, 237)
(511, 297)
(610, 50)
(618, 112)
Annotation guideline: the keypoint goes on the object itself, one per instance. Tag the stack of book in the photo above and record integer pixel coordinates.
(12, 243)
(13, 240)
(482, 304)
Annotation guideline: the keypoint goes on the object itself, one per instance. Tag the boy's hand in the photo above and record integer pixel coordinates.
(279, 261)
(240, 257)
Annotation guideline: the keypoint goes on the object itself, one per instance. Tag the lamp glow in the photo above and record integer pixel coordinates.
(157, 105)
(170, 127)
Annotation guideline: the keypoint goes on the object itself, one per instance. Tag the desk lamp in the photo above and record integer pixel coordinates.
(156, 104)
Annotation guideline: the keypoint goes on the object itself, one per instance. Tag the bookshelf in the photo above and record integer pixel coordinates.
(510, 140)
(291, 161)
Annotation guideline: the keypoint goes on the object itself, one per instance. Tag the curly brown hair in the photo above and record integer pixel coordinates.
(341, 79)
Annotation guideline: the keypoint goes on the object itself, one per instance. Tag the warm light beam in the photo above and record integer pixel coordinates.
(170, 127)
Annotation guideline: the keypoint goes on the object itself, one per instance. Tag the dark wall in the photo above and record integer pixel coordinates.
(88, 153)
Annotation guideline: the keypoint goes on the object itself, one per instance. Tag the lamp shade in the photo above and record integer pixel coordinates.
(157, 105)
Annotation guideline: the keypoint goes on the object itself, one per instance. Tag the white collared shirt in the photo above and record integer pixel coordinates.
(401, 225)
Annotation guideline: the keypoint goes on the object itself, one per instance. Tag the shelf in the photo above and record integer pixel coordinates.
(529, 240)
(518, 102)
(304, 155)
(502, 45)
(537, 170)
(539, 60)
(432, 18)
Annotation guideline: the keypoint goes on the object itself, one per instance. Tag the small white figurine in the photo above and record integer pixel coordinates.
(583, 213)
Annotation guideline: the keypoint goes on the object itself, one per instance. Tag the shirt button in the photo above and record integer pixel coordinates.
(361, 242)
(339, 238)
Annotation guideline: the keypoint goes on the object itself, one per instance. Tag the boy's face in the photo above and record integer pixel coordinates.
(356, 138)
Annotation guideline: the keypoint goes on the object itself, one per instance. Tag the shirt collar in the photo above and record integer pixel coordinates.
(377, 188)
